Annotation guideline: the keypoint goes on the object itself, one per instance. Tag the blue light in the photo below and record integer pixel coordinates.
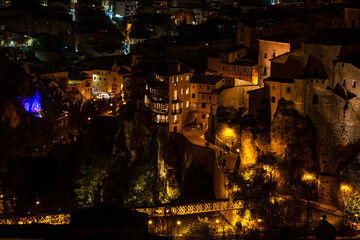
(32, 104)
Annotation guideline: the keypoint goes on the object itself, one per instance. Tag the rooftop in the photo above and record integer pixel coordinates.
(205, 79)
(334, 37)
(283, 37)
(353, 58)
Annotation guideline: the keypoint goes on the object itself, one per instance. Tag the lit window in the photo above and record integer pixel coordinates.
(181, 91)
(175, 94)
(187, 104)
(175, 118)
(187, 91)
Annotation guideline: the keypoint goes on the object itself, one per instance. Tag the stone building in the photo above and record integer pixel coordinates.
(202, 97)
(270, 47)
(320, 79)
(168, 95)
(109, 82)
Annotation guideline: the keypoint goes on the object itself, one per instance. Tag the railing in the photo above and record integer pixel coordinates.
(192, 208)
(52, 219)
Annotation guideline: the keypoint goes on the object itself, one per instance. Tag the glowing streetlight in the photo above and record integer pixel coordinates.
(111, 104)
(150, 222)
(89, 118)
(178, 222)
(37, 202)
(217, 221)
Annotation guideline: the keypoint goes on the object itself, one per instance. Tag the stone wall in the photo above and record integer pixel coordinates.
(236, 97)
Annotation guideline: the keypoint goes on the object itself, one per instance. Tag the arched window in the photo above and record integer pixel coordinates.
(315, 99)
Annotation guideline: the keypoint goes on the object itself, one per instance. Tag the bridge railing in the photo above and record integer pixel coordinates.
(53, 219)
(192, 208)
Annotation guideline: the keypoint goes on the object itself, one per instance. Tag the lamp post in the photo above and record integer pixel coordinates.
(309, 181)
(178, 227)
(223, 227)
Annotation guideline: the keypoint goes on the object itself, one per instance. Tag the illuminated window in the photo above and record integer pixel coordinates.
(175, 94)
(187, 104)
(175, 118)
(181, 91)
(187, 91)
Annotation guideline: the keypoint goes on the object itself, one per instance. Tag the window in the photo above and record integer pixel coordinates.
(265, 71)
(193, 95)
(203, 105)
(175, 94)
(203, 116)
(354, 84)
(175, 118)
(187, 91)
(273, 99)
(187, 104)
(273, 53)
(202, 96)
(315, 99)
(210, 97)
(265, 55)
(187, 78)
(193, 105)
(201, 87)
(207, 88)
(288, 89)
(193, 86)
(181, 91)
(344, 82)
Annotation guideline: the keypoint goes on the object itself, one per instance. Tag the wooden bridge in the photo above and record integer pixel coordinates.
(195, 208)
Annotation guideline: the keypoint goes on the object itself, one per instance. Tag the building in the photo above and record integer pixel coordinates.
(168, 96)
(108, 82)
(235, 64)
(83, 83)
(202, 97)
(270, 47)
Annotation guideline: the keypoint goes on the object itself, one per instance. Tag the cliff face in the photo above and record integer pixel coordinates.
(159, 167)
(293, 138)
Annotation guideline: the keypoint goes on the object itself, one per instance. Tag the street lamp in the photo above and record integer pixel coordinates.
(178, 228)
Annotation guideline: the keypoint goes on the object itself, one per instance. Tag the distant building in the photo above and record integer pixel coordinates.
(83, 83)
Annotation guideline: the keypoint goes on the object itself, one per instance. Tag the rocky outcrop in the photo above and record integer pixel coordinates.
(293, 138)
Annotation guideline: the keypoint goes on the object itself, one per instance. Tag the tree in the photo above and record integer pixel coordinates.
(255, 188)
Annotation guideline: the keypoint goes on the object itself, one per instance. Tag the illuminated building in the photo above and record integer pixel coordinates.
(168, 96)
(83, 83)
(109, 82)
(202, 96)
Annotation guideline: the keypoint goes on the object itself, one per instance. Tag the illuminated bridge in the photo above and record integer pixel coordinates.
(188, 209)
(194, 208)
